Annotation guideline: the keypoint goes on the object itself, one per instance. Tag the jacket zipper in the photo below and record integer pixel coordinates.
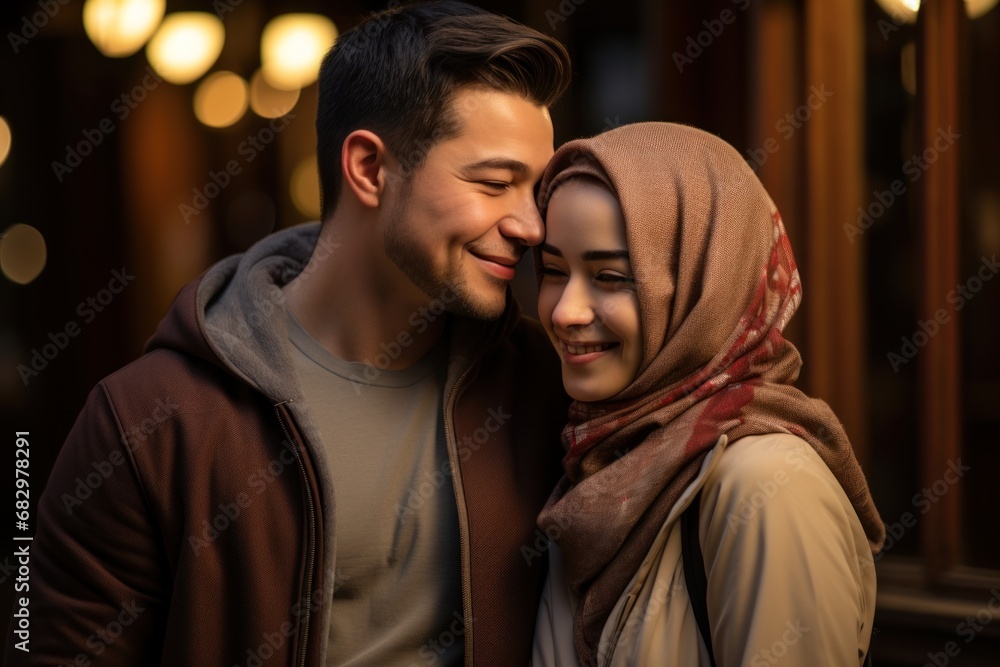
(463, 515)
(311, 558)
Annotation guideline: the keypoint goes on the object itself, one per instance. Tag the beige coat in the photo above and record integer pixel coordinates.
(791, 579)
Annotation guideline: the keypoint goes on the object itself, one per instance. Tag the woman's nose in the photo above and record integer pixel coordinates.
(575, 308)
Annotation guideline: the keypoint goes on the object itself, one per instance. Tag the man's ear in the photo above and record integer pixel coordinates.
(362, 161)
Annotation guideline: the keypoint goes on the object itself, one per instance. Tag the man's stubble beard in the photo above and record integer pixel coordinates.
(465, 302)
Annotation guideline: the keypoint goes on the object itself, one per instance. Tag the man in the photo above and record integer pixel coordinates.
(335, 448)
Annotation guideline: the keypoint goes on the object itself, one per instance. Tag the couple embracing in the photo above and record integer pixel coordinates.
(393, 433)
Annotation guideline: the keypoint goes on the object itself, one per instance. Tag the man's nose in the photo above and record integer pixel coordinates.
(525, 222)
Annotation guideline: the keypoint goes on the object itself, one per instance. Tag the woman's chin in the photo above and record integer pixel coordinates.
(588, 390)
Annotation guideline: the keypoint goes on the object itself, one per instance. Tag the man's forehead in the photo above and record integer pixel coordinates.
(507, 124)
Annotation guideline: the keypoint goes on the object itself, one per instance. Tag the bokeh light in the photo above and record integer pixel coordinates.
(119, 28)
(268, 101)
(4, 139)
(292, 47)
(221, 99)
(905, 11)
(22, 253)
(186, 46)
(305, 188)
(976, 8)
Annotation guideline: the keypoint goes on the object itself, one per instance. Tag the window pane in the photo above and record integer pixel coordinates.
(888, 227)
(977, 297)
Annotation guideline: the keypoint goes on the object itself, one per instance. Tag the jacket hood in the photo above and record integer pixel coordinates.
(233, 315)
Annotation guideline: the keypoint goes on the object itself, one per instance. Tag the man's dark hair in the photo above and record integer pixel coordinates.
(396, 74)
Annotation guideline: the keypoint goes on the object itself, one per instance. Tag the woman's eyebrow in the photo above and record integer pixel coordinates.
(587, 255)
(591, 255)
(551, 249)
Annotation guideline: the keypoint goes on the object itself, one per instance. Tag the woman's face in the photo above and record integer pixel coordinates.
(587, 301)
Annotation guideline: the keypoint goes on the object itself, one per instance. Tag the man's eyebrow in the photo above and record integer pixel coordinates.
(509, 164)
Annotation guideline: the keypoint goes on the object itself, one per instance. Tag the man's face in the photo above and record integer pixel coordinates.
(463, 219)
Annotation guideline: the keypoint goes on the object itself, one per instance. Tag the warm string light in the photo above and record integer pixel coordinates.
(268, 101)
(221, 99)
(22, 253)
(305, 188)
(183, 46)
(905, 11)
(119, 28)
(292, 47)
(4, 139)
(186, 45)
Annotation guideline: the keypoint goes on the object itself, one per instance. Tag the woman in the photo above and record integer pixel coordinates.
(666, 279)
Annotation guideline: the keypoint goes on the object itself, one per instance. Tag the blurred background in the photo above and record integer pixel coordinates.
(142, 140)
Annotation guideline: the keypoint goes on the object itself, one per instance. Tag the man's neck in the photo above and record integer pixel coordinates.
(358, 305)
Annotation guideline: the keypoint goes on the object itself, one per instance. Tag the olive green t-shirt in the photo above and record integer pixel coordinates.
(398, 595)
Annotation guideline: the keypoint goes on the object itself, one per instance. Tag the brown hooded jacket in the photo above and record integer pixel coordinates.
(188, 519)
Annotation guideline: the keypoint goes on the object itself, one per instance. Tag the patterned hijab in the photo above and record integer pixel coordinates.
(716, 285)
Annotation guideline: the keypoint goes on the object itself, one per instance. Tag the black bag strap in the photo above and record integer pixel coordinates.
(694, 572)
(697, 581)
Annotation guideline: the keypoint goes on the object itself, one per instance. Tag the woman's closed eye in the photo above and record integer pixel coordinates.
(553, 272)
(608, 277)
(605, 278)
(615, 280)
